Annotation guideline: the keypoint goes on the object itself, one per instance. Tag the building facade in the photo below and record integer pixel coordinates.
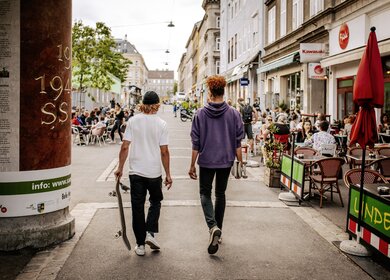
(162, 82)
(312, 51)
(348, 35)
(241, 44)
(202, 57)
(137, 72)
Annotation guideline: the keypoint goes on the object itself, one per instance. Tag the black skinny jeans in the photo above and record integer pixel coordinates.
(214, 217)
(117, 125)
(139, 186)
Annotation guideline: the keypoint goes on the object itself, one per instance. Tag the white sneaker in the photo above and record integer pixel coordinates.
(140, 250)
(215, 235)
(151, 241)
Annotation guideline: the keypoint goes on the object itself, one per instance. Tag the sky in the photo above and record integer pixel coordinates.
(145, 23)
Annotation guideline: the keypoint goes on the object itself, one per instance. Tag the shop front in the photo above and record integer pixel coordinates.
(347, 41)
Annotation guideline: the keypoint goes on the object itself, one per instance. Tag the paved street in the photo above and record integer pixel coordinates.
(263, 238)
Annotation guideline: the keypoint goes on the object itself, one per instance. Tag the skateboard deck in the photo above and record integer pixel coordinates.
(122, 232)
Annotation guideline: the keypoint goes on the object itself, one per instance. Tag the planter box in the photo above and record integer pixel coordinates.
(272, 177)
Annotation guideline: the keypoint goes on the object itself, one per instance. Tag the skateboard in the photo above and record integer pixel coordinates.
(122, 231)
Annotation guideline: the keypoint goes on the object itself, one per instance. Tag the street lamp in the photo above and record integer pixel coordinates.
(171, 24)
(167, 51)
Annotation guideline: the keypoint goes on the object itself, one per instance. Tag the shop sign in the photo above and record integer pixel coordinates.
(244, 82)
(311, 52)
(316, 72)
(349, 35)
(344, 36)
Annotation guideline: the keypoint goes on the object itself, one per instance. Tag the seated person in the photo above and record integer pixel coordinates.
(384, 124)
(322, 137)
(282, 132)
(305, 134)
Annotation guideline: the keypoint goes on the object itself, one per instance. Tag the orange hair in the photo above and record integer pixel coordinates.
(216, 85)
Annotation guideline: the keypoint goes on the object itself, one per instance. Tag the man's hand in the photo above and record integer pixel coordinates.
(118, 174)
(168, 182)
(192, 172)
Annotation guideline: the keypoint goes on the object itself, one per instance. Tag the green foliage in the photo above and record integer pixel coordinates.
(94, 58)
(273, 149)
(283, 106)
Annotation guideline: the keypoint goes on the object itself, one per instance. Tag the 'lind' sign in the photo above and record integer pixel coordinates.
(311, 52)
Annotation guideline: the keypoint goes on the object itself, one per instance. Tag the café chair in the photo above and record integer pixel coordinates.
(328, 149)
(355, 151)
(99, 135)
(353, 177)
(327, 179)
(385, 151)
(382, 165)
(305, 151)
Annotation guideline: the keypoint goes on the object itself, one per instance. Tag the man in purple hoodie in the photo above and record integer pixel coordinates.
(216, 135)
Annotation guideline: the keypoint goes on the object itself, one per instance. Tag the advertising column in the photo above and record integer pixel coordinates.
(35, 133)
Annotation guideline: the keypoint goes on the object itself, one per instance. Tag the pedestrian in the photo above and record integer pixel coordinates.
(175, 109)
(119, 115)
(146, 143)
(247, 114)
(216, 135)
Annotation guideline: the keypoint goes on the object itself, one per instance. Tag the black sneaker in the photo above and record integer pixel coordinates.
(215, 234)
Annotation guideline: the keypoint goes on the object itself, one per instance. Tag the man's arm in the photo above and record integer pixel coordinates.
(165, 161)
(192, 171)
(122, 158)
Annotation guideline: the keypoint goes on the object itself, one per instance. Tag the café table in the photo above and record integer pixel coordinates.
(308, 160)
(368, 157)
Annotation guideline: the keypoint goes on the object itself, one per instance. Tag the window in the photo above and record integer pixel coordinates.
(255, 33)
(217, 67)
(217, 43)
(283, 18)
(316, 6)
(218, 21)
(297, 13)
(231, 50)
(271, 24)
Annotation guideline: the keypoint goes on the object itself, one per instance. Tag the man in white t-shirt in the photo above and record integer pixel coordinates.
(146, 137)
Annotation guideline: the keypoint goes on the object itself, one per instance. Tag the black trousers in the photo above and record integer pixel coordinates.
(117, 125)
(139, 187)
(214, 217)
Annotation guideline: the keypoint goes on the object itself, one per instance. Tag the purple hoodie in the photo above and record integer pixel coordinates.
(216, 133)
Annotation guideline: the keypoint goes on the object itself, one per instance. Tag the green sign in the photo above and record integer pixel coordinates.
(376, 213)
(298, 172)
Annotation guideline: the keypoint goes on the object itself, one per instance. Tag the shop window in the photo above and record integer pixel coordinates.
(345, 105)
(294, 90)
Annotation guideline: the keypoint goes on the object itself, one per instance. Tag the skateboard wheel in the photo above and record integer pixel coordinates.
(118, 234)
(113, 193)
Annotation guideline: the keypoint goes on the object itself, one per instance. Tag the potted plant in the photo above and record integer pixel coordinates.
(272, 152)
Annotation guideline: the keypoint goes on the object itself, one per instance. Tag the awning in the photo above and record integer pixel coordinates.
(286, 60)
(238, 72)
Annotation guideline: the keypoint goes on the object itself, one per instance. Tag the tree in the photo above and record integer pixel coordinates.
(94, 57)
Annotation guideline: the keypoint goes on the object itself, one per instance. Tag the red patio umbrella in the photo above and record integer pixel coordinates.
(368, 93)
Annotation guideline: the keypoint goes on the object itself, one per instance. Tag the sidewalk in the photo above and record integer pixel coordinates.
(262, 239)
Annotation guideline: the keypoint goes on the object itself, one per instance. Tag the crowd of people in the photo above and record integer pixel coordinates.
(108, 119)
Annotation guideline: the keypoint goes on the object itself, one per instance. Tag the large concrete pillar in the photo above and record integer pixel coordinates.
(35, 133)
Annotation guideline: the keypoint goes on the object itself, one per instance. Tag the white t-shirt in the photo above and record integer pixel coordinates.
(146, 134)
